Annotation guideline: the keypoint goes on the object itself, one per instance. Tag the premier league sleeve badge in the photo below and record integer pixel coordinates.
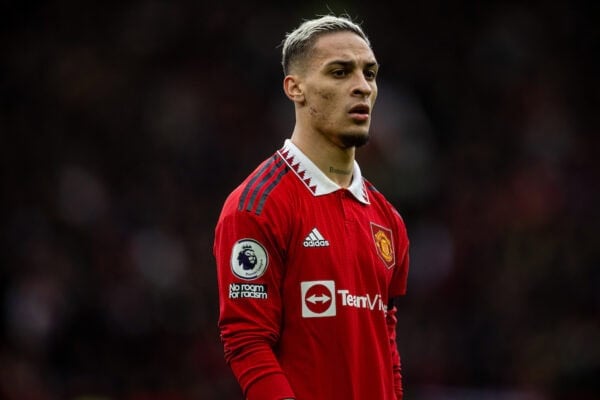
(249, 259)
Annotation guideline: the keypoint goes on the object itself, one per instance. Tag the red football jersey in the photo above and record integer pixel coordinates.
(305, 272)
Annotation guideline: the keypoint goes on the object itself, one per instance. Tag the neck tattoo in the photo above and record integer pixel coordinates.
(339, 171)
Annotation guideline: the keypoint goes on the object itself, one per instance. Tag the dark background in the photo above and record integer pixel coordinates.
(124, 125)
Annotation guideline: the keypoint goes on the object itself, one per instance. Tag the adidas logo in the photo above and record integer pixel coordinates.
(315, 239)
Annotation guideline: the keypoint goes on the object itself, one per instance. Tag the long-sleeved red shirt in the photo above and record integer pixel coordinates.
(305, 271)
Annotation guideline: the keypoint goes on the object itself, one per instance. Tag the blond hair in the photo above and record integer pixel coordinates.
(298, 43)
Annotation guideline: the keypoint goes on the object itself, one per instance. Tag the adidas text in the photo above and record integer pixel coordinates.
(315, 239)
(316, 243)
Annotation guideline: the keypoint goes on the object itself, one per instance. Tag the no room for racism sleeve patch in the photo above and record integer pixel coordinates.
(249, 259)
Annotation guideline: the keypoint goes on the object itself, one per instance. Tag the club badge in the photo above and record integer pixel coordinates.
(384, 245)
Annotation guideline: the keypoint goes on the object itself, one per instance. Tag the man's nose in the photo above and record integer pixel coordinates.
(362, 87)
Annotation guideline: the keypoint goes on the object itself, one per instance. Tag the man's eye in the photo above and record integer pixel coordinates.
(339, 73)
(370, 74)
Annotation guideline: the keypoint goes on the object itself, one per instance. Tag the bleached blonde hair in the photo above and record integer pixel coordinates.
(298, 43)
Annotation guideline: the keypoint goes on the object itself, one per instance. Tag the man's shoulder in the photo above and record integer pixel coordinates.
(379, 198)
(374, 193)
(260, 186)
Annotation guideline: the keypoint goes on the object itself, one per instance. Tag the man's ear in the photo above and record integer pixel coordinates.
(293, 88)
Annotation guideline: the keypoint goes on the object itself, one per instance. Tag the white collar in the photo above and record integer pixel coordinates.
(314, 179)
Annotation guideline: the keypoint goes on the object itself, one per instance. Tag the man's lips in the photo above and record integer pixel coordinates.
(360, 112)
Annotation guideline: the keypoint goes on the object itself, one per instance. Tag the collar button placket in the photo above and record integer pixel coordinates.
(346, 204)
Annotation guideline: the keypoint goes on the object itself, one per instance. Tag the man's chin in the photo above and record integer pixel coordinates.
(354, 139)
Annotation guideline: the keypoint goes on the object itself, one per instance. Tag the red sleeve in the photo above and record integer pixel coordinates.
(391, 321)
(400, 278)
(250, 302)
(399, 283)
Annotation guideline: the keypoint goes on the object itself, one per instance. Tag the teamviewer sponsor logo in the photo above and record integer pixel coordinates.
(318, 299)
(315, 239)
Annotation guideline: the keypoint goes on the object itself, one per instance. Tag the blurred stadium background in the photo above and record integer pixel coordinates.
(123, 126)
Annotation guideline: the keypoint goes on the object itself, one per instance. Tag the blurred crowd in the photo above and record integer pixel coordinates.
(124, 125)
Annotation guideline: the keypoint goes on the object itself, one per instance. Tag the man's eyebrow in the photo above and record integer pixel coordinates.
(347, 63)
(344, 63)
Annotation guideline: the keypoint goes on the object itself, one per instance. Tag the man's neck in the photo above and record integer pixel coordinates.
(335, 162)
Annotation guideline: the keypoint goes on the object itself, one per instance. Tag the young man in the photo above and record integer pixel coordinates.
(308, 253)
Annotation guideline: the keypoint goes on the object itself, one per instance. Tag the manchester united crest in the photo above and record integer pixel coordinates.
(382, 238)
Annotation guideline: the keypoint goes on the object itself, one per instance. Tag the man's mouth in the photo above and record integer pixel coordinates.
(360, 112)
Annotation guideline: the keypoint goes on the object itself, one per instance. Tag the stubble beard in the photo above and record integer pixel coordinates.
(354, 139)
